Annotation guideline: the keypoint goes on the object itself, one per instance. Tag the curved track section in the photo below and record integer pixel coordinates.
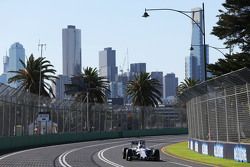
(102, 153)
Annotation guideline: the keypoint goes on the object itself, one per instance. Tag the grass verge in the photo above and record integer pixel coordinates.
(181, 150)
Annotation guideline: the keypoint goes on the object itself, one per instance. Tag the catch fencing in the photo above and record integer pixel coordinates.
(22, 114)
(219, 109)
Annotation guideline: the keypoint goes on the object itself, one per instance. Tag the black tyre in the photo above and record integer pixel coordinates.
(157, 155)
(124, 153)
(129, 155)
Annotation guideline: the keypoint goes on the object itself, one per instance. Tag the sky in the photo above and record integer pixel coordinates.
(161, 41)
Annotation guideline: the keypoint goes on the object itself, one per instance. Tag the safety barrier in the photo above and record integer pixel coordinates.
(229, 150)
(14, 143)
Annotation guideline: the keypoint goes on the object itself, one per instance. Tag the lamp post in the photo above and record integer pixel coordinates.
(42, 46)
(202, 29)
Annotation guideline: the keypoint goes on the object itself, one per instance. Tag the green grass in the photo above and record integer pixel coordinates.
(181, 150)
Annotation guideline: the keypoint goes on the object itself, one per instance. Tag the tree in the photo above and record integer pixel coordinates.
(233, 25)
(88, 83)
(187, 83)
(29, 76)
(144, 91)
(230, 63)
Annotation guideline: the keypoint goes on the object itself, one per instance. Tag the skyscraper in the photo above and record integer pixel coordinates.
(190, 67)
(59, 88)
(158, 76)
(3, 77)
(195, 66)
(72, 58)
(107, 64)
(136, 69)
(170, 85)
(16, 53)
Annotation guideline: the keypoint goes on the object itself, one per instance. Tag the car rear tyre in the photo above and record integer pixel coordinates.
(124, 153)
(157, 155)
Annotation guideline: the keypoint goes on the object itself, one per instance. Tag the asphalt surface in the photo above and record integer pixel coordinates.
(102, 153)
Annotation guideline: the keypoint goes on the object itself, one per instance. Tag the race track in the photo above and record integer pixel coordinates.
(102, 153)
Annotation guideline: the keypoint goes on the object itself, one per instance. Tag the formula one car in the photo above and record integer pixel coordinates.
(138, 150)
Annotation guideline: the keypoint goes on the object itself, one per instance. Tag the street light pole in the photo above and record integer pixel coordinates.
(202, 29)
(218, 49)
(204, 44)
(42, 46)
(87, 111)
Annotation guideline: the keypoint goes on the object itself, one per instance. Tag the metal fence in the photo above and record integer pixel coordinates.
(219, 109)
(20, 114)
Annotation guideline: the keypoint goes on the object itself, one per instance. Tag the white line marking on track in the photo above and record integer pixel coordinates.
(64, 163)
(179, 164)
(101, 156)
(62, 157)
(104, 159)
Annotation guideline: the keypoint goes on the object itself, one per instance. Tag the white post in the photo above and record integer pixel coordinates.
(237, 114)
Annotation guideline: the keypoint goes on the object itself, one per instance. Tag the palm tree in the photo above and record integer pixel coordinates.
(29, 76)
(187, 83)
(88, 83)
(144, 91)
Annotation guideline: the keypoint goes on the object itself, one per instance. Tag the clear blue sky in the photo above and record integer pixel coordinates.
(162, 40)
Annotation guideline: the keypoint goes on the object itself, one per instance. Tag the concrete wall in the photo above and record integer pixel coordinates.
(14, 143)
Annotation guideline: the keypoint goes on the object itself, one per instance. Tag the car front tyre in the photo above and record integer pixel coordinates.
(129, 155)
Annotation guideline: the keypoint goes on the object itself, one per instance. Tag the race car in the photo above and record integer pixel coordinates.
(138, 150)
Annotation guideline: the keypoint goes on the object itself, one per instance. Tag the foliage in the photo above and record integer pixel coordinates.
(88, 82)
(144, 91)
(230, 63)
(29, 76)
(233, 25)
(187, 83)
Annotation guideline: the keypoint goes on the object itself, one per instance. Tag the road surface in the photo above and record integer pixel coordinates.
(102, 153)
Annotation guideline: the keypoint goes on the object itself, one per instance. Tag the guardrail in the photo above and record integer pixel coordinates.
(14, 143)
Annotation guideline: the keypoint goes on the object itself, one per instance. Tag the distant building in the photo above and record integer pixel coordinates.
(116, 89)
(158, 76)
(59, 88)
(197, 52)
(170, 85)
(16, 53)
(136, 69)
(190, 67)
(107, 64)
(3, 77)
(6, 63)
(71, 49)
(124, 78)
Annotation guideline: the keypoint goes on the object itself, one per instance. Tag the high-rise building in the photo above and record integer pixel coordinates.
(6, 63)
(170, 85)
(158, 76)
(16, 53)
(116, 89)
(3, 77)
(136, 69)
(71, 49)
(196, 58)
(59, 88)
(190, 67)
(107, 64)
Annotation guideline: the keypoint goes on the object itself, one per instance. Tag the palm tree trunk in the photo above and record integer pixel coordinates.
(142, 118)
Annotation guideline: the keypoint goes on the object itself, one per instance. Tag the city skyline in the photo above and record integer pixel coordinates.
(161, 45)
